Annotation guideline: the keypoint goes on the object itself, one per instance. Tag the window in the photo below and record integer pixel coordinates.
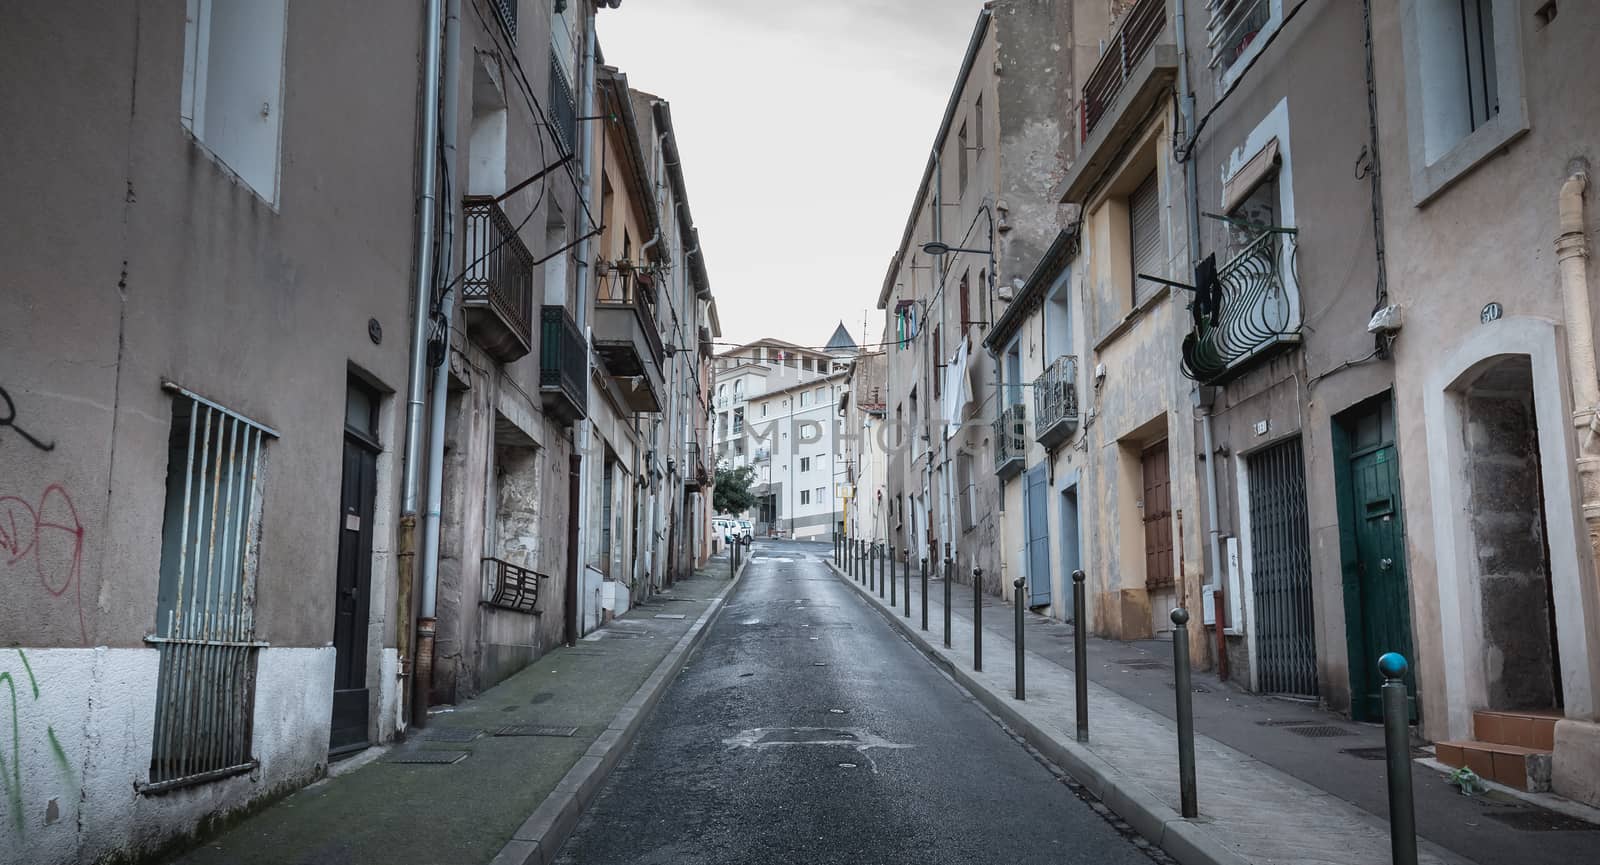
(1233, 28)
(966, 302)
(938, 358)
(1144, 237)
(967, 493)
(820, 496)
(205, 603)
(805, 497)
(977, 124)
(1013, 374)
(822, 396)
(961, 161)
(1463, 86)
(805, 464)
(233, 85)
(805, 398)
(763, 409)
(738, 421)
(506, 11)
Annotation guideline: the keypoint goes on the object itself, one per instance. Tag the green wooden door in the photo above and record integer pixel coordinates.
(1372, 534)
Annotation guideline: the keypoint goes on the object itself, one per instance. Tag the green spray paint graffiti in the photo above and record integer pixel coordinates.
(11, 771)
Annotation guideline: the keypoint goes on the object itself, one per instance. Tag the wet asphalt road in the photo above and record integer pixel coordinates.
(806, 730)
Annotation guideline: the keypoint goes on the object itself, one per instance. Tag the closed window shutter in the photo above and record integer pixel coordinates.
(1144, 218)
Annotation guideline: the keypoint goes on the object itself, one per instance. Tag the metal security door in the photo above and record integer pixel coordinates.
(1280, 568)
(1038, 539)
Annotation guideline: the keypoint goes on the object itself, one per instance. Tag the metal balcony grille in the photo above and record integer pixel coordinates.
(510, 587)
(1251, 307)
(499, 275)
(563, 110)
(561, 359)
(1055, 402)
(205, 606)
(1132, 41)
(1233, 26)
(506, 11)
(1010, 440)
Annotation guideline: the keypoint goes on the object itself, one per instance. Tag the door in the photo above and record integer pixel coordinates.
(353, 585)
(1071, 552)
(1372, 539)
(1038, 538)
(1157, 519)
(1280, 571)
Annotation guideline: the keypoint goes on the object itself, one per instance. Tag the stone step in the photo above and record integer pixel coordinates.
(1523, 728)
(1512, 765)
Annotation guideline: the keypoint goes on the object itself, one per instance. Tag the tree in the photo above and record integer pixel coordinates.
(732, 494)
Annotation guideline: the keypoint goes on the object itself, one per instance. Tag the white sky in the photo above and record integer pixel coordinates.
(805, 126)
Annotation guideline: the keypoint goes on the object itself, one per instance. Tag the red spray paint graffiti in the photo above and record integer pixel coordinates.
(48, 536)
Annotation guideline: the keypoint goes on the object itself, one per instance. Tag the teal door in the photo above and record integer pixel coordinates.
(1372, 538)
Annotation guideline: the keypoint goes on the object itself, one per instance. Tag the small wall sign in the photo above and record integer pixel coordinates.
(1491, 312)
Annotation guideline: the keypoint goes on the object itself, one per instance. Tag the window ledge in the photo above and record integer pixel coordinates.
(1132, 318)
(1430, 180)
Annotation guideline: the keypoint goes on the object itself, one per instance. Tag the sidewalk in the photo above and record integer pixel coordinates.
(378, 810)
(1266, 794)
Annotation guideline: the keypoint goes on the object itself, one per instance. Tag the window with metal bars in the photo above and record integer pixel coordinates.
(206, 599)
(1234, 26)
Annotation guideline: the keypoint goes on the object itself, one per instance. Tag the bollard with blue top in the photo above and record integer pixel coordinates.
(1181, 683)
(1397, 747)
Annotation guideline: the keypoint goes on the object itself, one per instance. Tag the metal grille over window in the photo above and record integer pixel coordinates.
(205, 612)
(1233, 26)
(510, 587)
(506, 11)
(563, 111)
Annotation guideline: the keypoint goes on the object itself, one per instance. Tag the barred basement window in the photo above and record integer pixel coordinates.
(205, 608)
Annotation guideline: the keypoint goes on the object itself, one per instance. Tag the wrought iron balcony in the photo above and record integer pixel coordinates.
(497, 289)
(1139, 29)
(510, 587)
(1010, 441)
(626, 338)
(563, 110)
(1055, 402)
(1252, 307)
(562, 365)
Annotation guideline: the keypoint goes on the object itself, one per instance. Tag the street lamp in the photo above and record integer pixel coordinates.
(940, 248)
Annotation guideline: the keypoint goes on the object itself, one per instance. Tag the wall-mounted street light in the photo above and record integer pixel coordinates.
(940, 248)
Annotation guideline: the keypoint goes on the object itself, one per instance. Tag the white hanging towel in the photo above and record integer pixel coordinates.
(957, 390)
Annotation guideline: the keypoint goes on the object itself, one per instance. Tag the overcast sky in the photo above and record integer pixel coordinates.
(805, 126)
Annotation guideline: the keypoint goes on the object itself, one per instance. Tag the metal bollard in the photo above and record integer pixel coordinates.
(949, 573)
(1397, 745)
(1080, 654)
(1180, 669)
(924, 594)
(889, 575)
(1021, 678)
(977, 619)
(882, 574)
(733, 559)
(872, 569)
(907, 603)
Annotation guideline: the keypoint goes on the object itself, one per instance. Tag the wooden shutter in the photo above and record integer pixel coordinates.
(1157, 518)
(1144, 237)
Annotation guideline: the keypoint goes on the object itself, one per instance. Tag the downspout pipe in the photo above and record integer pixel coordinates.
(1572, 255)
(580, 435)
(427, 620)
(1191, 187)
(421, 298)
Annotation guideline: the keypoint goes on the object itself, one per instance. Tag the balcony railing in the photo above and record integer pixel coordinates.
(497, 289)
(562, 365)
(1055, 402)
(1251, 307)
(636, 289)
(563, 111)
(1010, 440)
(1137, 32)
(510, 587)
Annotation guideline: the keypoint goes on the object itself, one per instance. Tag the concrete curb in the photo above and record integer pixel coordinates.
(539, 838)
(1183, 840)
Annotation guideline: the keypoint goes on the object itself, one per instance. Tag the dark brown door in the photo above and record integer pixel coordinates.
(353, 585)
(1157, 518)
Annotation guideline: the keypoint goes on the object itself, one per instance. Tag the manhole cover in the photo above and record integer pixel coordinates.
(438, 758)
(535, 730)
(1541, 821)
(450, 734)
(1379, 753)
(1319, 731)
(1283, 723)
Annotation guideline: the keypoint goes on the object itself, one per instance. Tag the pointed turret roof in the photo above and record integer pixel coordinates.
(840, 342)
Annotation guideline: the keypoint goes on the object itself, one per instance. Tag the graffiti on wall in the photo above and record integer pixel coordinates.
(12, 778)
(10, 420)
(44, 540)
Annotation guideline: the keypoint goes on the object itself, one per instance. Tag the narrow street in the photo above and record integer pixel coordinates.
(806, 729)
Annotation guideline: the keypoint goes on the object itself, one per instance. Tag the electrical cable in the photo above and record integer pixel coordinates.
(1185, 152)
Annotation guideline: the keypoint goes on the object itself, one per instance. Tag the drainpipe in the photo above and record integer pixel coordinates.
(580, 431)
(1572, 253)
(422, 295)
(1191, 186)
(426, 614)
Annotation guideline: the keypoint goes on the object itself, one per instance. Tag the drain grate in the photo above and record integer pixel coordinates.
(436, 758)
(1319, 731)
(1283, 723)
(535, 730)
(1139, 665)
(1541, 821)
(1380, 753)
(450, 734)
